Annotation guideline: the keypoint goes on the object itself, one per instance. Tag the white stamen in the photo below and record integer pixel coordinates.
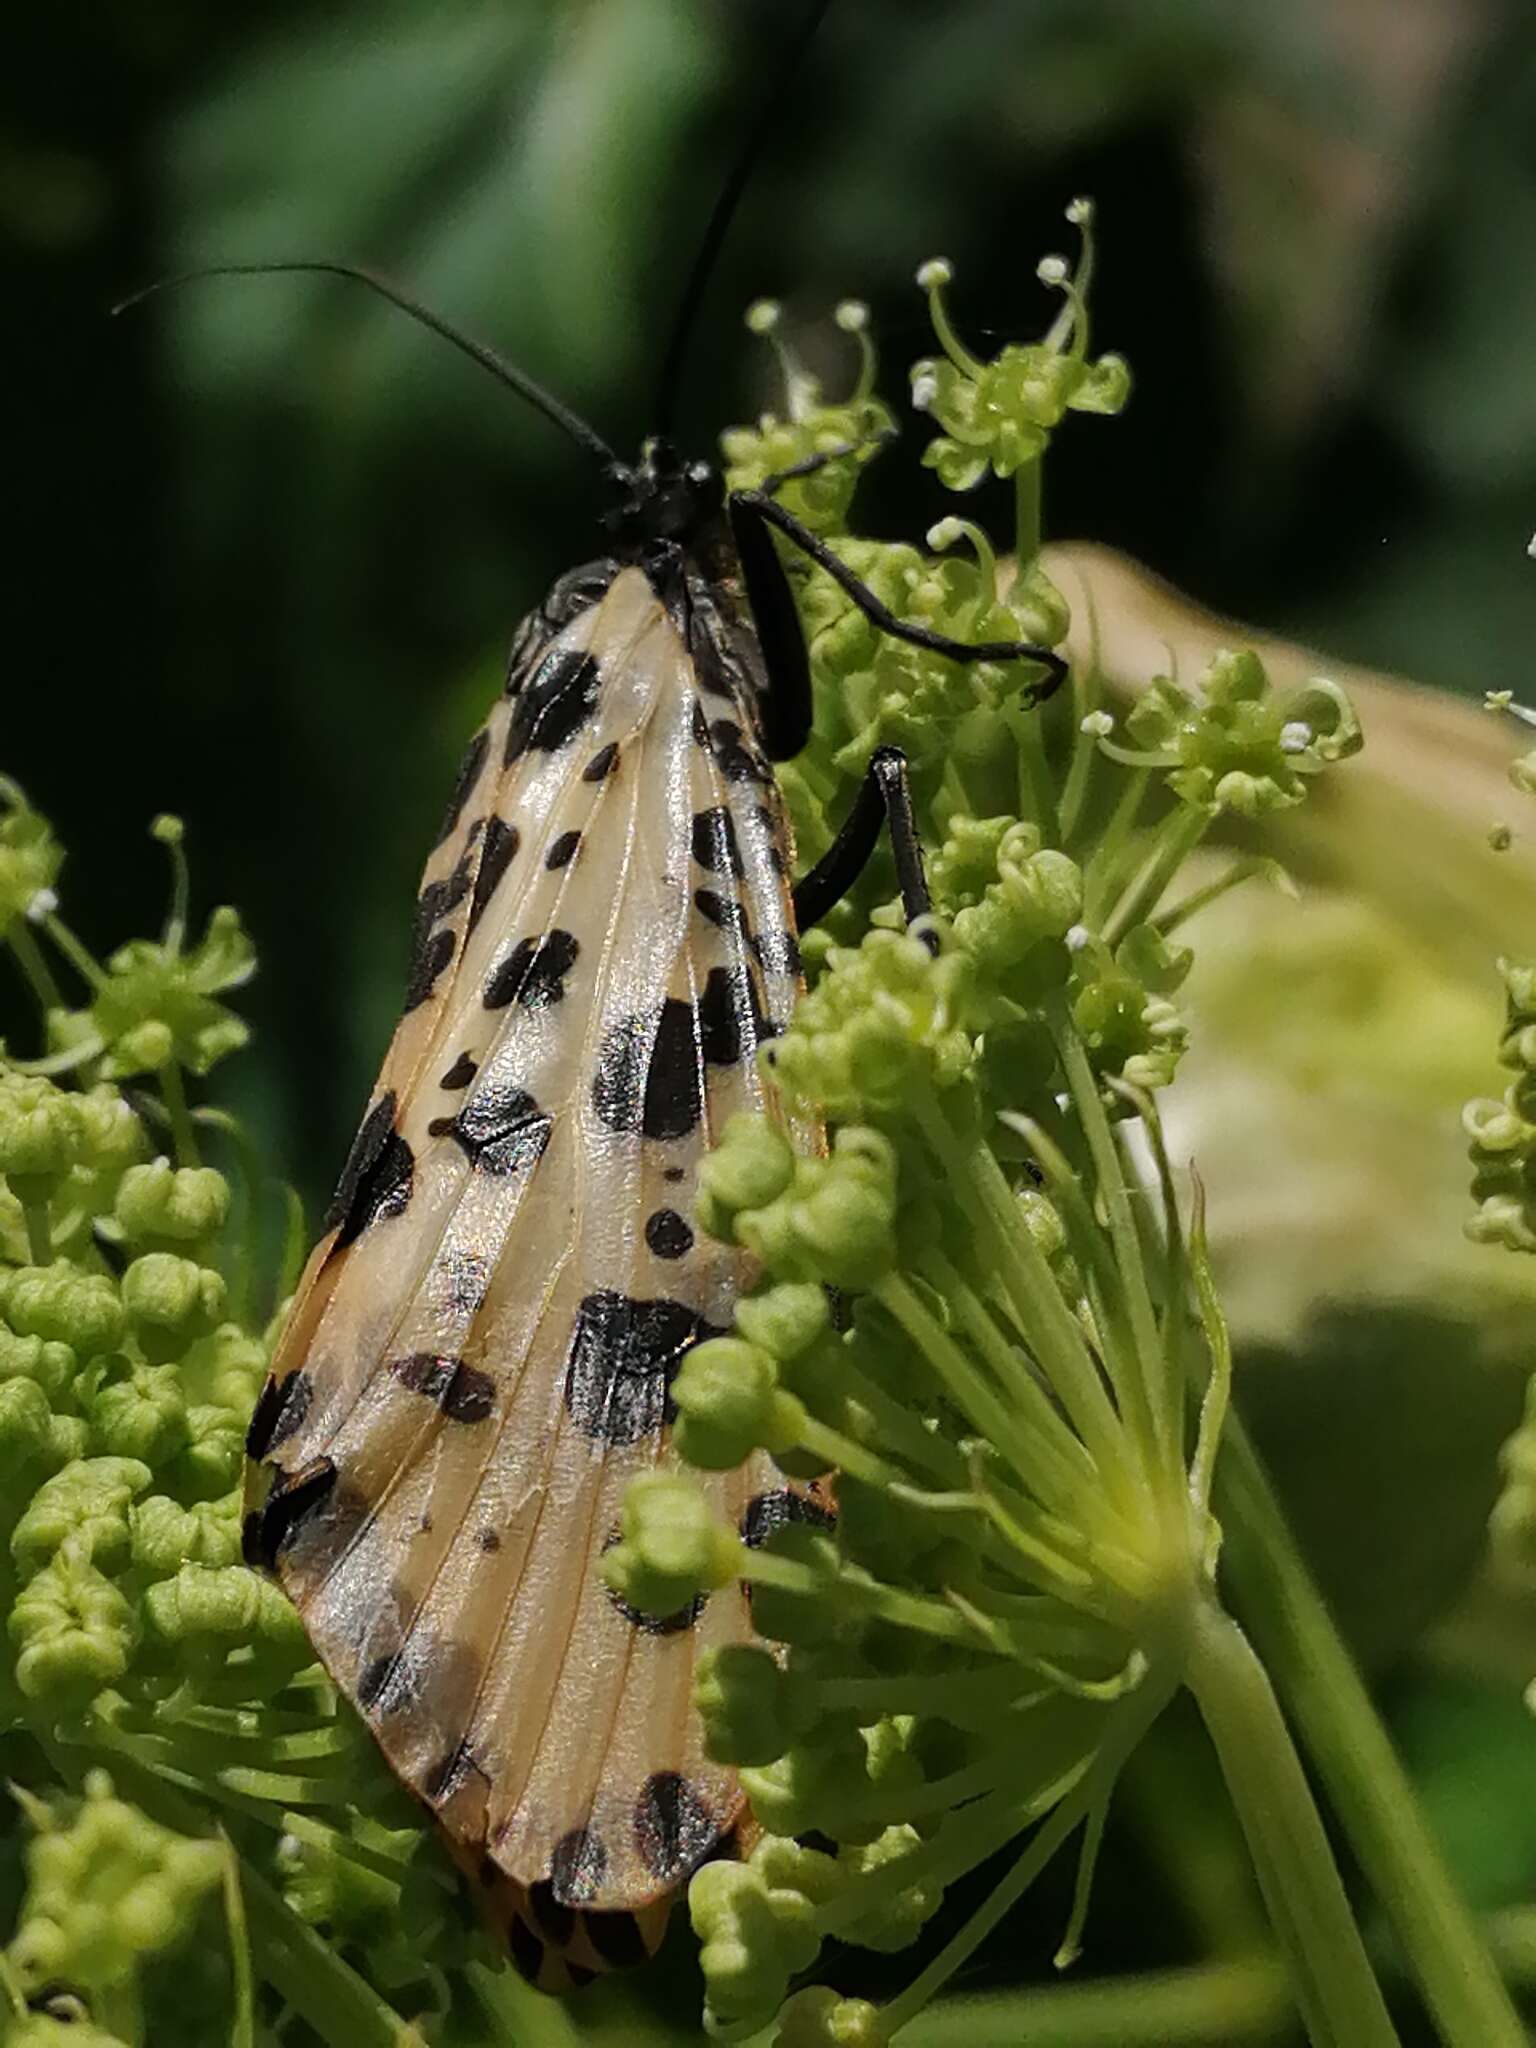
(43, 904)
(1078, 938)
(1080, 212)
(1498, 700)
(763, 315)
(1530, 547)
(1053, 270)
(935, 273)
(944, 533)
(852, 316)
(925, 390)
(1098, 725)
(1295, 736)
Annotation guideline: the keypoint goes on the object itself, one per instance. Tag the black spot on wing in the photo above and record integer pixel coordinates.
(674, 1830)
(376, 1180)
(624, 1353)
(383, 1685)
(650, 1076)
(773, 830)
(461, 1073)
(427, 963)
(534, 972)
(563, 851)
(576, 591)
(463, 783)
(267, 1530)
(553, 705)
(501, 843)
(500, 1130)
(618, 1085)
(667, 1234)
(280, 1410)
(737, 760)
(674, 1085)
(731, 1017)
(577, 1867)
(700, 724)
(462, 1392)
(445, 1777)
(602, 763)
(723, 913)
(432, 947)
(766, 1513)
(714, 841)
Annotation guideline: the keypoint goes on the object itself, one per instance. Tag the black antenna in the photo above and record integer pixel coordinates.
(697, 281)
(477, 351)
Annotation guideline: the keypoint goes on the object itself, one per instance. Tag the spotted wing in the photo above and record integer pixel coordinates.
(480, 1352)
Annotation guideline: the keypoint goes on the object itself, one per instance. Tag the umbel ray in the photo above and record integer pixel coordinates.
(479, 1353)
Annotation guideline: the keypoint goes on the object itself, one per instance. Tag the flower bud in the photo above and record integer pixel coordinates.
(62, 1304)
(176, 1205)
(170, 1302)
(671, 1548)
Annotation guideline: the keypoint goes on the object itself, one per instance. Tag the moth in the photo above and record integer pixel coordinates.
(479, 1354)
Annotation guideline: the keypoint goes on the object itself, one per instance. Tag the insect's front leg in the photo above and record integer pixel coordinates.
(884, 798)
(753, 513)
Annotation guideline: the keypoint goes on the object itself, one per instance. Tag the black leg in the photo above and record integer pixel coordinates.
(771, 485)
(884, 798)
(785, 706)
(751, 511)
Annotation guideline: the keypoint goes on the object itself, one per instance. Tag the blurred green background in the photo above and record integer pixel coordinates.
(269, 540)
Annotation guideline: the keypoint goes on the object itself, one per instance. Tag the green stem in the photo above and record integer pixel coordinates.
(1047, 1323)
(1087, 677)
(172, 1088)
(39, 1232)
(1176, 839)
(888, 1603)
(1037, 781)
(1030, 1433)
(1146, 1391)
(29, 958)
(1125, 1729)
(1364, 1777)
(1331, 1974)
(76, 954)
(1026, 515)
(1221, 2005)
(1101, 869)
(1239, 2002)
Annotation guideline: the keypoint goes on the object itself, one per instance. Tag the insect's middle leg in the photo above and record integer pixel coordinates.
(884, 799)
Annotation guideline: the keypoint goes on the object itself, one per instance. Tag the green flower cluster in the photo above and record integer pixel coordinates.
(108, 1890)
(977, 1332)
(136, 1639)
(964, 1329)
(1000, 415)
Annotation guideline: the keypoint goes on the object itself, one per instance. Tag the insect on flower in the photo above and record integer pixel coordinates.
(479, 1354)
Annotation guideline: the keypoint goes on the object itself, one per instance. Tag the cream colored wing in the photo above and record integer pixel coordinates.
(480, 1352)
